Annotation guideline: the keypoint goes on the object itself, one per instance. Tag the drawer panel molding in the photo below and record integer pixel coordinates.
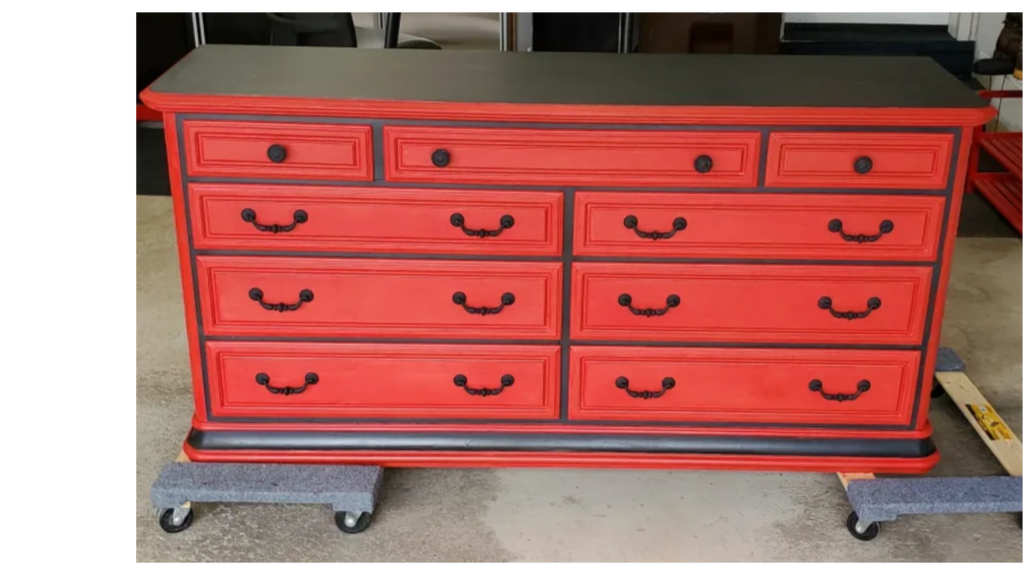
(350, 380)
(278, 150)
(777, 386)
(375, 220)
(571, 157)
(758, 226)
(318, 297)
(747, 303)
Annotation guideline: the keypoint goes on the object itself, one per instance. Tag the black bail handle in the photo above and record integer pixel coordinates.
(458, 220)
(872, 304)
(459, 298)
(632, 223)
(885, 227)
(256, 294)
(264, 380)
(625, 300)
(461, 381)
(299, 217)
(623, 383)
(862, 387)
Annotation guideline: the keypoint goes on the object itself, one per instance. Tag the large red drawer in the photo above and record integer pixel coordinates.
(302, 151)
(564, 157)
(749, 303)
(859, 160)
(379, 298)
(360, 380)
(320, 218)
(758, 226)
(743, 385)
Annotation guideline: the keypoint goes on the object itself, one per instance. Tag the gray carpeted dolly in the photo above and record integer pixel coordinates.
(875, 500)
(350, 489)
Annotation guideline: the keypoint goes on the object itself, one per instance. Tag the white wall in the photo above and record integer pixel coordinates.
(934, 18)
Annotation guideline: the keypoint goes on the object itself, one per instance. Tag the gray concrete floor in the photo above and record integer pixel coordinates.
(584, 515)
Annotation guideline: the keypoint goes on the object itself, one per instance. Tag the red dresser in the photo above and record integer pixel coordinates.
(437, 258)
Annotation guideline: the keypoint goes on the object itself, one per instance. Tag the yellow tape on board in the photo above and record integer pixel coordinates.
(989, 421)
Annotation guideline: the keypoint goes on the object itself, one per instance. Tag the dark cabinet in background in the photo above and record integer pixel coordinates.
(696, 33)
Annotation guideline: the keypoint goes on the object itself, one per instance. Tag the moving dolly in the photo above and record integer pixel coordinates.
(876, 500)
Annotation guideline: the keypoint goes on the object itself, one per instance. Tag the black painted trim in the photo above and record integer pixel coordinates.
(688, 127)
(921, 388)
(562, 442)
(568, 235)
(377, 134)
(637, 259)
(571, 342)
(183, 162)
(535, 188)
(566, 342)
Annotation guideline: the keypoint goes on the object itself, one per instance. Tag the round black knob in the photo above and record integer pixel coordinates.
(673, 300)
(255, 294)
(507, 380)
(863, 164)
(835, 225)
(886, 226)
(262, 378)
(625, 300)
(668, 382)
(863, 385)
(249, 215)
(301, 216)
(507, 222)
(824, 302)
(457, 219)
(440, 158)
(276, 153)
(679, 224)
(306, 295)
(631, 222)
(461, 380)
(703, 163)
(312, 378)
(874, 303)
(622, 382)
(507, 298)
(458, 297)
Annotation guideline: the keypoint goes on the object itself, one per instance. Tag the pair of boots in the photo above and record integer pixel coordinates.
(1011, 40)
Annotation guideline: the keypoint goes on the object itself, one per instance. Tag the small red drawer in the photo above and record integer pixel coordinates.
(278, 150)
(858, 160)
(361, 380)
(804, 386)
(312, 218)
(749, 303)
(565, 157)
(379, 298)
(795, 226)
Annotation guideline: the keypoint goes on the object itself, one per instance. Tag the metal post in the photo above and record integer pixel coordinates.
(392, 23)
(202, 26)
(624, 33)
(505, 40)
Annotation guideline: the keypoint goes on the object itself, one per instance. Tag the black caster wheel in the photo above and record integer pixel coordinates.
(168, 524)
(352, 522)
(937, 390)
(859, 531)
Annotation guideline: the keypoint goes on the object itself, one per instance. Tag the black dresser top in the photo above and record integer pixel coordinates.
(567, 78)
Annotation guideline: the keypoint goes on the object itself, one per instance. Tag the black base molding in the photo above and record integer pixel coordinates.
(557, 442)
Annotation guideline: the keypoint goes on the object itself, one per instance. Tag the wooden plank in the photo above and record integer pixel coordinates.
(1002, 442)
(845, 478)
(182, 458)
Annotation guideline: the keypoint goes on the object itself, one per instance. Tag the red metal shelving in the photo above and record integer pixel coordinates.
(1003, 190)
